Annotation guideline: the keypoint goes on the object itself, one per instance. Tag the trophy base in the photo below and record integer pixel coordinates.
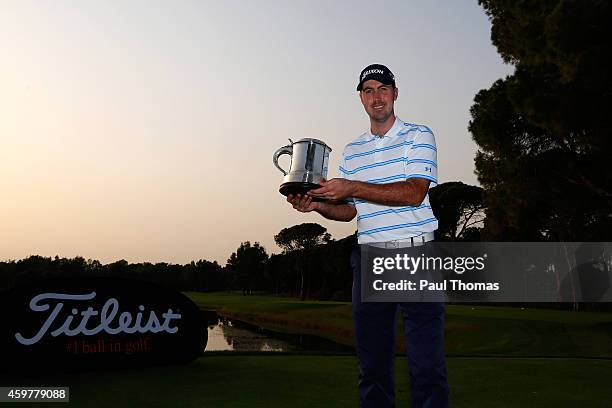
(296, 187)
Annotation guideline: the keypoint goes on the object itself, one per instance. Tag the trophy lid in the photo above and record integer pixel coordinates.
(311, 140)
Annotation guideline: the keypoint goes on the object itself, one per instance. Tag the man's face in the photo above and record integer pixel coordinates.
(378, 99)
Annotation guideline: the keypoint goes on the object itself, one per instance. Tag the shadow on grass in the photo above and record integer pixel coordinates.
(290, 380)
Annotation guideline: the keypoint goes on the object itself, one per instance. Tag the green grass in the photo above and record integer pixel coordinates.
(331, 320)
(500, 377)
(470, 331)
(264, 380)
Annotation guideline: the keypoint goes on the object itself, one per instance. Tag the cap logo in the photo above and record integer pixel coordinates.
(372, 71)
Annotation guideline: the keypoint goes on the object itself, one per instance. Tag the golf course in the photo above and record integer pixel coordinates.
(497, 357)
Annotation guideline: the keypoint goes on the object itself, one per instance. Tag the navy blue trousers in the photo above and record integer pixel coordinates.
(375, 325)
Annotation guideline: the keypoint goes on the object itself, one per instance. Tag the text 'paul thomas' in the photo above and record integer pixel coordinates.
(425, 285)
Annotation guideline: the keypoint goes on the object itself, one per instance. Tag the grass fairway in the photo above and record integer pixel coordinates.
(285, 380)
(497, 357)
(470, 331)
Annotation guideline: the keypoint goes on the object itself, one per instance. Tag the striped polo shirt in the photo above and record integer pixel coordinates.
(406, 151)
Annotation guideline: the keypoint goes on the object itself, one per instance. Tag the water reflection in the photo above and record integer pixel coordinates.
(226, 334)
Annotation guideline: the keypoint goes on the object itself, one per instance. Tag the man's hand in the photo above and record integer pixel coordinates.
(302, 203)
(336, 189)
(332, 210)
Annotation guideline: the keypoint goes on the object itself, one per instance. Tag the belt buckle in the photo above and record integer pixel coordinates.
(392, 244)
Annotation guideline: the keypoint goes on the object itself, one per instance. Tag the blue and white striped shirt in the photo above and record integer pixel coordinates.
(405, 151)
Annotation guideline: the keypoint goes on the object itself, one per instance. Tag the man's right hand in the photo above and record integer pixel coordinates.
(302, 203)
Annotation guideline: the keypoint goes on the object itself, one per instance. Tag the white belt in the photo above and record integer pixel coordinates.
(404, 243)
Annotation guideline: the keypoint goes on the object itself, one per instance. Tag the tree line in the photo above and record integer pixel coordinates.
(312, 264)
(544, 132)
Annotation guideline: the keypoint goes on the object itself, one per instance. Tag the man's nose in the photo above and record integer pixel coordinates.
(377, 94)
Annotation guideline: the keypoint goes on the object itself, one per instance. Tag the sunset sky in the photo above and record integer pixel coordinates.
(144, 130)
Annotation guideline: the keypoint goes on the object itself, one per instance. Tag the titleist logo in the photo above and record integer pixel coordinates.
(125, 323)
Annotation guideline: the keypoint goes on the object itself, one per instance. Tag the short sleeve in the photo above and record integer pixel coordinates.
(421, 156)
(343, 172)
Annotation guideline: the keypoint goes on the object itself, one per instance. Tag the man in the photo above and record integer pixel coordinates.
(385, 175)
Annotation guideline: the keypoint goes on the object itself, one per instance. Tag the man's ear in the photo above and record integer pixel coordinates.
(395, 94)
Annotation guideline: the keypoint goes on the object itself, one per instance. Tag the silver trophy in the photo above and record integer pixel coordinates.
(309, 158)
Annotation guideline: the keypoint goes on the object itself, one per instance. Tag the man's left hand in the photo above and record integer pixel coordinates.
(334, 189)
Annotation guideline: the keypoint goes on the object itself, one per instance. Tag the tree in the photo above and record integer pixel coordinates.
(302, 237)
(544, 132)
(306, 235)
(459, 209)
(247, 265)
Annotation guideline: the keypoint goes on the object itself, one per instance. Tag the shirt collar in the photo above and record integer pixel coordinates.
(391, 132)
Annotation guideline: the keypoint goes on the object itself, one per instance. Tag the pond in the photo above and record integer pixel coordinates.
(226, 334)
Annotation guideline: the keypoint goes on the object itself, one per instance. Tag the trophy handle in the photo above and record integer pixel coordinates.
(283, 150)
